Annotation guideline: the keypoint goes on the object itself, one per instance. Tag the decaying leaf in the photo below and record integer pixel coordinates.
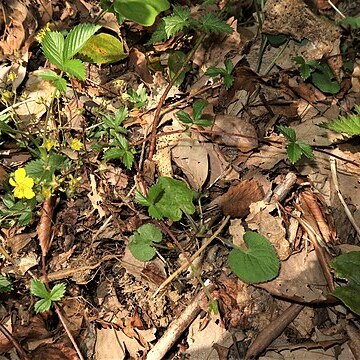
(44, 229)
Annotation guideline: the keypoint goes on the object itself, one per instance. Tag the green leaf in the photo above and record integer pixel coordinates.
(184, 117)
(354, 22)
(349, 125)
(229, 66)
(37, 288)
(203, 122)
(228, 81)
(159, 34)
(177, 22)
(103, 49)
(48, 75)
(306, 149)
(323, 82)
(77, 38)
(294, 152)
(57, 292)
(198, 109)
(304, 68)
(258, 263)
(212, 24)
(60, 84)
(75, 68)
(347, 266)
(113, 154)
(277, 40)
(214, 71)
(5, 284)
(52, 46)
(142, 241)
(288, 132)
(144, 12)
(25, 218)
(42, 305)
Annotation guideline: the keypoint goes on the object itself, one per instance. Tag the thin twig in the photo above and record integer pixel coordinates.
(341, 198)
(16, 344)
(193, 257)
(164, 96)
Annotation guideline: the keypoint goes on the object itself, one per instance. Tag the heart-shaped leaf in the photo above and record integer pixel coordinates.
(258, 263)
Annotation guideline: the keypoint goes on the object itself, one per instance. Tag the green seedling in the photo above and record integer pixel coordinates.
(258, 263)
(346, 266)
(143, 12)
(353, 22)
(319, 74)
(224, 73)
(137, 98)
(60, 52)
(168, 198)
(38, 289)
(197, 113)
(142, 242)
(182, 20)
(349, 124)
(295, 148)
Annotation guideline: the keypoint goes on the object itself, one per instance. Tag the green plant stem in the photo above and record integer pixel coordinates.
(164, 96)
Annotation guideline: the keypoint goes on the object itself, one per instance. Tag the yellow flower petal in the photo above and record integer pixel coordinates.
(12, 182)
(18, 193)
(28, 193)
(20, 175)
(28, 182)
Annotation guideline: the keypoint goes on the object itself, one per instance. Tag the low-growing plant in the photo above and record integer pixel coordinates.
(224, 73)
(38, 289)
(295, 148)
(5, 284)
(197, 115)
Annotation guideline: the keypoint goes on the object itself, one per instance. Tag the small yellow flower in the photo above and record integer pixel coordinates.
(76, 144)
(23, 184)
(40, 35)
(11, 76)
(46, 192)
(49, 144)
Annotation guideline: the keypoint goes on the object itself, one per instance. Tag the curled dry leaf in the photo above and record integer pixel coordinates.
(44, 228)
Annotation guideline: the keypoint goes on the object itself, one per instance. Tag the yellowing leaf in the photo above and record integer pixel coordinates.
(103, 49)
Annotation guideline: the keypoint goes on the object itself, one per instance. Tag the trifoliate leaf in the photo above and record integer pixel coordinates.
(212, 24)
(142, 241)
(143, 12)
(288, 132)
(77, 38)
(228, 81)
(294, 152)
(52, 46)
(38, 289)
(229, 66)
(75, 68)
(258, 263)
(103, 49)
(349, 125)
(347, 266)
(57, 292)
(215, 71)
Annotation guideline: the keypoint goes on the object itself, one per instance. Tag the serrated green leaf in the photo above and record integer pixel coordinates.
(349, 125)
(324, 83)
(159, 34)
(60, 84)
(141, 242)
(198, 109)
(52, 46)
(144, 12)
(294, 152)
(48, 75)
(75, 68)
(203, 122)
(35, 169)
(211, 23)
(184, 117)
(288, 132)
(42, 305)
(77, 38)
(128, 159)
(214, 71)
(38, 288)
(103, 49)
(306, 149)
(259, 263)
(57, 292)
(228, 81)
(346, 266)
(113, 154)
(229, 66)
(177, 22)
(5, 284)
(25, 218)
